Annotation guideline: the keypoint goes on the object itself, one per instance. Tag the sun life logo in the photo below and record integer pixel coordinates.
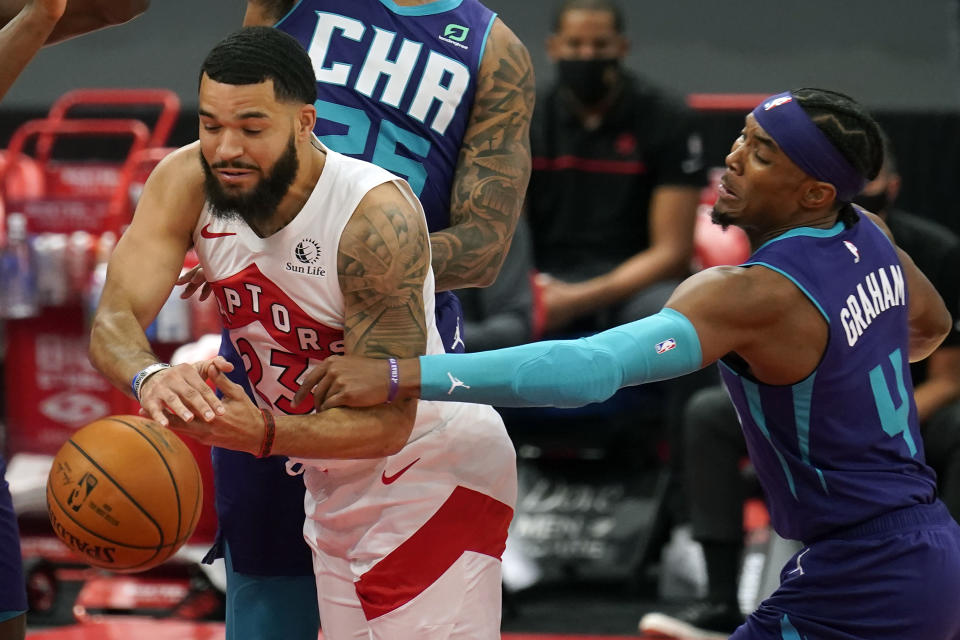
(307, 251)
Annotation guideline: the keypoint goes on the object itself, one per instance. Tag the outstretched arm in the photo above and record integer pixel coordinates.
(710, 314)
(492, 171)
(559, 373)
(79, 16)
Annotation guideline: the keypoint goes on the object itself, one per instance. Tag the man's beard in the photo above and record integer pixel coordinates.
(721, 218)
(258, 206)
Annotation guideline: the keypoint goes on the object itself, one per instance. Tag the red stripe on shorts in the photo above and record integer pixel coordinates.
(467, 521)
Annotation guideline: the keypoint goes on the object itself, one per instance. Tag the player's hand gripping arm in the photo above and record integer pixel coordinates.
(78, 16)
(382, 262)
(492, 171)
(140, 276)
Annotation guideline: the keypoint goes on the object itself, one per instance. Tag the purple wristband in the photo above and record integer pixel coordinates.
(394, 380)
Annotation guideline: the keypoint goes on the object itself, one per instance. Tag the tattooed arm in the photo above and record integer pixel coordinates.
(382, 262)
(492, 171)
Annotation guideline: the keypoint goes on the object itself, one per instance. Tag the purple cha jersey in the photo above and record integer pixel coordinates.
(843, 445)
(395, 84)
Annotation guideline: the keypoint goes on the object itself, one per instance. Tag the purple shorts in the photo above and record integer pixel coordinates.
(894, 577)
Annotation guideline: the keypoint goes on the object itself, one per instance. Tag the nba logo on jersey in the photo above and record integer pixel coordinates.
(666, 345)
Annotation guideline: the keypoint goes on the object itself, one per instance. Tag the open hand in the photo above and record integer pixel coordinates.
(182, 390)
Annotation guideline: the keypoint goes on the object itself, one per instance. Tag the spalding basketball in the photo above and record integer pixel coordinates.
(124, 493)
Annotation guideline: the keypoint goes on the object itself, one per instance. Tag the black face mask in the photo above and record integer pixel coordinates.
(589, 80)
(876, 203)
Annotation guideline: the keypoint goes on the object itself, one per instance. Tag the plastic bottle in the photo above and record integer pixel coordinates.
(53, 289)
(18, 274)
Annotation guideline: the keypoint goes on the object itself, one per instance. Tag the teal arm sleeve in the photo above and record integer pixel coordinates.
(566, 373)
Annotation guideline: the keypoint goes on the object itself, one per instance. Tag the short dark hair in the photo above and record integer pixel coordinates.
(256, 54)
(607, 6)
(850, 128)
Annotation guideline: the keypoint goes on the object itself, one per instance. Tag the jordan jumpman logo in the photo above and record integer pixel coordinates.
(455, 382)
(457, 338)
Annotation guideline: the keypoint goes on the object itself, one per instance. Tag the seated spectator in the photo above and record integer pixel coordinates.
(714, 444)
(617, 172)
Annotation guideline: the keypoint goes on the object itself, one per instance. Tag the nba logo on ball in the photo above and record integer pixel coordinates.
(666, 345)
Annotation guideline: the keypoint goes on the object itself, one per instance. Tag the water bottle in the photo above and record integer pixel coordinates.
(50, 250)
(81, 251)
(18, 275)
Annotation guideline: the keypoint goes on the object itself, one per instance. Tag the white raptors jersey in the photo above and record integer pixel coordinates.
(280, 296)
(281, 303)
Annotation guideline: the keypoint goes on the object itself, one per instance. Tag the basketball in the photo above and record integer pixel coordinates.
(124, 493)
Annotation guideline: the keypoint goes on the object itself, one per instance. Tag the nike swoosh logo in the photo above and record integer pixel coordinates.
(391, 479)
(206, 233)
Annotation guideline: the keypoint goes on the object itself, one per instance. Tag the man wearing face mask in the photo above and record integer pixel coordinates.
(617, 172)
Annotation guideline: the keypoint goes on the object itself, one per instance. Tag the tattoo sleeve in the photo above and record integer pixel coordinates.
(492, 171)
(382, 264)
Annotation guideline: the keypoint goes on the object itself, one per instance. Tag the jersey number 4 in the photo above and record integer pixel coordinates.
(895, 420)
